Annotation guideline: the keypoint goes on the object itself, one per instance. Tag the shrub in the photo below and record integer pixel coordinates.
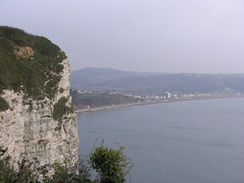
(111, 164)
(9, 175)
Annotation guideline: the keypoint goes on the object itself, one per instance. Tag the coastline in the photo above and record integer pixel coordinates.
(156, 102)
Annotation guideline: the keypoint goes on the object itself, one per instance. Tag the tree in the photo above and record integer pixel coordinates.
(111, 165)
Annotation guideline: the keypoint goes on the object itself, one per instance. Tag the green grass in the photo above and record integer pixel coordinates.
(37, 75)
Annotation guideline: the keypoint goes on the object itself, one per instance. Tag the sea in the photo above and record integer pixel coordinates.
(199, 141)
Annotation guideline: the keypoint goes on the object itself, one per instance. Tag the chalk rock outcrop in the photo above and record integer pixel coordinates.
(37, 120)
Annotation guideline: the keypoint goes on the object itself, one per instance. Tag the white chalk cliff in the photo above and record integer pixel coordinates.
(29, 130)
(33, 134)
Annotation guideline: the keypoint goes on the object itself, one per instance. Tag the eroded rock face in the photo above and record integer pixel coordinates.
(24, 51)
(30, 132)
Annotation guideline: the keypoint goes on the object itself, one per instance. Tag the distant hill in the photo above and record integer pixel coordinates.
(90, 77)
(156, 82)
(99, 78)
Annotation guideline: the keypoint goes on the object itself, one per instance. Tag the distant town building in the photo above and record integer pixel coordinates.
(167, 95)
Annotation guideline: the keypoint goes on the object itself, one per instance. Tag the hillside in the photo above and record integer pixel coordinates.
(99, 100)
(37, 121)
(29, 63)
(93, 77)
(156, 82)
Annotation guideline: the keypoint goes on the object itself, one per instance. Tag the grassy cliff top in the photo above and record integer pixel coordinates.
(29, 63)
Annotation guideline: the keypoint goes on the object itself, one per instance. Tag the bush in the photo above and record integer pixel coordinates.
(9, 175)
(111, 165)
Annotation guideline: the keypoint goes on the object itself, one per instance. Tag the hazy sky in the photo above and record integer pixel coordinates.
(201, 36)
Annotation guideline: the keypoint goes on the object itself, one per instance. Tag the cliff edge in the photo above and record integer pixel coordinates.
(37, 119)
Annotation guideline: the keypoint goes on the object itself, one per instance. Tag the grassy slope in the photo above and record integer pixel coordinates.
(29, 74)
(98, 100)
(36, 75)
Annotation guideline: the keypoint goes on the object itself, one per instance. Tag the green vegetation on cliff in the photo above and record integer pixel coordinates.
(3, 104)
(29, 63)
(61, 109)
(98, 100)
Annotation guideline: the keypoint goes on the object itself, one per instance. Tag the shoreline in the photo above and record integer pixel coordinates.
(156, 102)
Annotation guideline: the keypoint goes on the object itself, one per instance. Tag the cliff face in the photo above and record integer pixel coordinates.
(37, 121)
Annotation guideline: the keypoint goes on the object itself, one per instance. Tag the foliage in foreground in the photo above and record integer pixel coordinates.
(111, 166)
(9, 175)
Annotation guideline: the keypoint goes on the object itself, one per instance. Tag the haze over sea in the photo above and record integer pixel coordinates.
(182, 142)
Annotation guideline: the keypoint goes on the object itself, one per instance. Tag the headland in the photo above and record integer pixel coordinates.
(182, 99)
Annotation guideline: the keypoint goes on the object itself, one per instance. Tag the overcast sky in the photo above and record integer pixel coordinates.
(200, 36)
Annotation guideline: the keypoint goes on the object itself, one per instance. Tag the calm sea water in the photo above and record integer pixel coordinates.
(182, 142)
